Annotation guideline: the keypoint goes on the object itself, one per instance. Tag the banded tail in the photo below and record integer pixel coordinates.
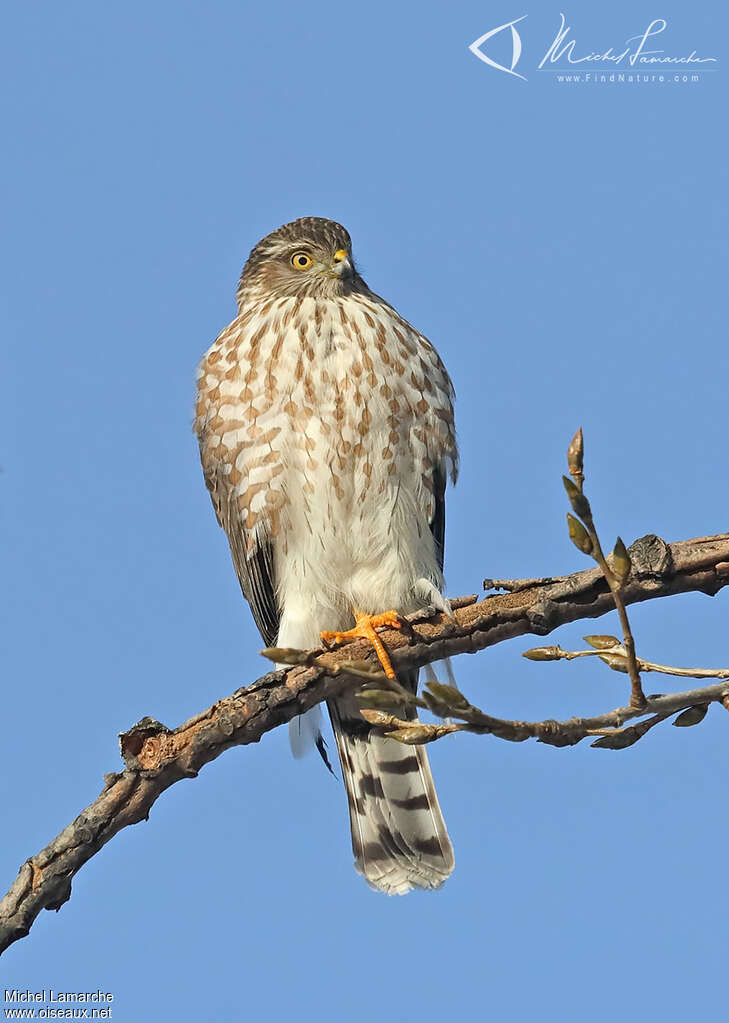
(399, 837)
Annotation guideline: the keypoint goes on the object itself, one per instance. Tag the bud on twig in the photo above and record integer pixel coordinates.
(287, 655)
(580, 504)
(618, 740)
(448, 695)
(416, 735)
(691, 716)
(579, 535)
(379, 717)
(621, 563)
(602, 642)
(616, 662)
(575, 458)
(543, 653)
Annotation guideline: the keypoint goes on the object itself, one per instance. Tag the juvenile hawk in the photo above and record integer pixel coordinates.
(326, 434)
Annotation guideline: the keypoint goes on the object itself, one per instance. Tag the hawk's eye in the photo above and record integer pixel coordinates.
(301, 260)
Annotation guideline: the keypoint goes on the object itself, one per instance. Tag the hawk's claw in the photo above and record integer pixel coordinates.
(365, 629)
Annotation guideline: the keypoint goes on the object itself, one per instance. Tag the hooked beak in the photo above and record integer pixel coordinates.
(342, 264)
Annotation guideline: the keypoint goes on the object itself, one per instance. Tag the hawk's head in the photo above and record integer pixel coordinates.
(308, 257)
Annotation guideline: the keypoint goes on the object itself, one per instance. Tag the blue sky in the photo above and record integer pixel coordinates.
(563, 244)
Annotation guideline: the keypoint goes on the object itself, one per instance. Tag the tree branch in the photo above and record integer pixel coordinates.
(157, 757)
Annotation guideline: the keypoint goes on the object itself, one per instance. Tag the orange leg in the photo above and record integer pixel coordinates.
(365, 629)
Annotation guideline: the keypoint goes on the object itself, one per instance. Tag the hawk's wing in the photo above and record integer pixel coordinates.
(437, 523)
(255, 575)
(252, 557)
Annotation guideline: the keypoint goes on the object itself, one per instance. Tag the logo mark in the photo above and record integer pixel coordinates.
(476, 50)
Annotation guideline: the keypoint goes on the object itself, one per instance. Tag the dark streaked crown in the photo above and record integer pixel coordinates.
(327, 234)
(267, 270)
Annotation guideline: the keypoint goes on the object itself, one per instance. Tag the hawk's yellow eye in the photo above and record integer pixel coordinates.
(301, 260)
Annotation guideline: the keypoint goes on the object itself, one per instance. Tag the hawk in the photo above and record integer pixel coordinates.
(326, 431)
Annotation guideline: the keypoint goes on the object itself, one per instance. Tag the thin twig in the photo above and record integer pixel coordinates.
(637, 696)
(615, 576)
(556, 653)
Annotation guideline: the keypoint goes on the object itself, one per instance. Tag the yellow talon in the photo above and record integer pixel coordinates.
(365, 629)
